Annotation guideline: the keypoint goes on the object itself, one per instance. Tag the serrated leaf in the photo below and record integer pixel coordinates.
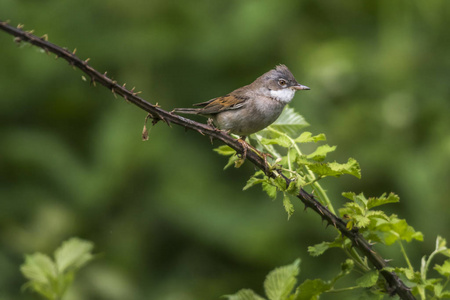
(367, 280)
(244, 294)
(253, 181)
(288, 207)
(307, 137)
(225, 150)
(444, 269)
(281, 140)
(441, 244)
(289, 122)
(269, 189)
(73, 254)
(319, 249)
(395, 229)
(311, 289)
(39, 267)
(373, 202)
(336, 169)
(361, 221)
(321, 152)
(231, 161)
(377, 214)
(280, 282)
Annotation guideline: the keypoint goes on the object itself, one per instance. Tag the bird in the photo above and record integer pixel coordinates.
(253, 107)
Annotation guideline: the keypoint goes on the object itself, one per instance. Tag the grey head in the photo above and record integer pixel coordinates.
(279, 83)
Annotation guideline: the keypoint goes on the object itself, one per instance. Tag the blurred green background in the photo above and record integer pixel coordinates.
(168, 222)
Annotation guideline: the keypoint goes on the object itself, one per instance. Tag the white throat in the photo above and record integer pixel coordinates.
(284, 95)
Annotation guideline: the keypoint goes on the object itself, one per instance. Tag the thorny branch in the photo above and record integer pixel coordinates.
(396, 285)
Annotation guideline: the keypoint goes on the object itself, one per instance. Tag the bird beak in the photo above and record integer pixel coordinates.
(300, 87)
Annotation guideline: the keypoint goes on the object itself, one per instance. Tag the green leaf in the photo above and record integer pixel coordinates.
(73, 254)
(307, 137)
(335, 169)
(444, 269)
(280, 282)
(441, 246)
(281, 140)
(225, 150)
(254, 181)
(361, 221)
(289, 122)
(346, 268)
(269, 189)
(39, 267)
(51, 279)
(319, 249)
(321, 152)
(392, 198)
(231, 161)
(311, 289)
(244, 294)
(395, 229)
(367, 280)
(288, 205)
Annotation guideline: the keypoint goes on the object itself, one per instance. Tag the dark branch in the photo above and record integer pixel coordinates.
(396, 286)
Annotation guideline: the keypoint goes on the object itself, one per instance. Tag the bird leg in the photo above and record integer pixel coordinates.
(247, 146)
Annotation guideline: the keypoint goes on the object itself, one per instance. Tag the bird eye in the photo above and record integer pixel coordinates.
(282, 82)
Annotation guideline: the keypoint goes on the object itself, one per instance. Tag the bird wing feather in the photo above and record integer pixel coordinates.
(227, 102)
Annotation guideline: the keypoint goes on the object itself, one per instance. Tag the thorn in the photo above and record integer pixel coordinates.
(104, 74)
(114, 92)
(199, 131)
(318, 207)
(93, 82)
(20, 26)
(132, 90)
(126, 99)
(46, 50)
(30, 31)
(44, 37)
(157, 105)
(123, 85)
(211, 140)
(74, 51)
(17, 40)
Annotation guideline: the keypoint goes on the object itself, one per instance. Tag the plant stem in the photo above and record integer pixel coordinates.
(405, 256)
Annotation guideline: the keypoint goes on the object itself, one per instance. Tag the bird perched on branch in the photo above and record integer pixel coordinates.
(253, 107)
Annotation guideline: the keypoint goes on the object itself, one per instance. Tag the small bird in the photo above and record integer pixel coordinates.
(253, 107)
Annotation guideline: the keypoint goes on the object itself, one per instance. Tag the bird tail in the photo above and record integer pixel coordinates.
(192, 111)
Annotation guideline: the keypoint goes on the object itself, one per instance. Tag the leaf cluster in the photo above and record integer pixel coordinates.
(51, 277)
(280, 284)
(283, 142)
(422, 285)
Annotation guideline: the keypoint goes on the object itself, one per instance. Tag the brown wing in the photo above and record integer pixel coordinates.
(216, 105)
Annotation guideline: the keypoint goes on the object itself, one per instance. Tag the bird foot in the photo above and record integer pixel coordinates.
(247, 146)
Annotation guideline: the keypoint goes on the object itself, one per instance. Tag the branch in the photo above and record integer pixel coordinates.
(396, 286)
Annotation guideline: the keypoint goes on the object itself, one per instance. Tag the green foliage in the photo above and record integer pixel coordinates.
(422, 285)
(375, 225)
(280, 284)
(301, 169)
(51, 278)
